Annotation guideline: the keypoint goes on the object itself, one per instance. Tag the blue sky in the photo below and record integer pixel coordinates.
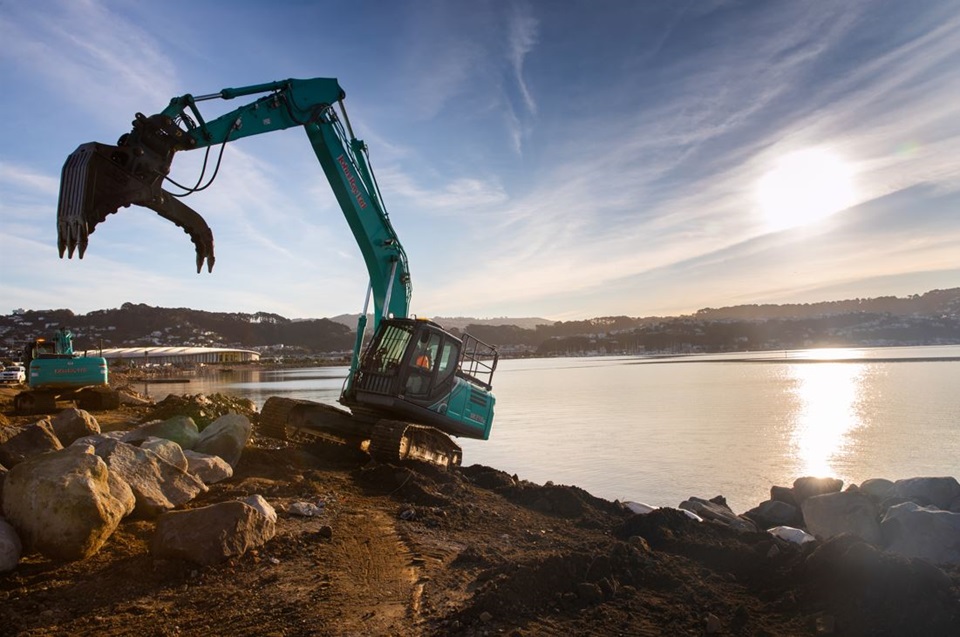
(561, 159)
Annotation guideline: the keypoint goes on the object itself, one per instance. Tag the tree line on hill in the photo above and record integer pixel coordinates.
(922, 319)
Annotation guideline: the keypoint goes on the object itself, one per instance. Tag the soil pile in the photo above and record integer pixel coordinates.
(412, 550)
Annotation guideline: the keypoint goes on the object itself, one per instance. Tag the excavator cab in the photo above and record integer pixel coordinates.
(416, 369)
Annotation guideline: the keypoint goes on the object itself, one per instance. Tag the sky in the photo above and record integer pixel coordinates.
(563, 159)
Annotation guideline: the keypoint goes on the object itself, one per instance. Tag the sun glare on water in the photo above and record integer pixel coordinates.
(803, 188)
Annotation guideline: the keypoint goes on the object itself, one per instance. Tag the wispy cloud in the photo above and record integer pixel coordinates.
(522, 38)
(90, 56)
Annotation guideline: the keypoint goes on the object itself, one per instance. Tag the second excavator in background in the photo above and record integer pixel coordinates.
(414, 384)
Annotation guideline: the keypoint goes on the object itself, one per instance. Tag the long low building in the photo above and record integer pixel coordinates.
(175, 355)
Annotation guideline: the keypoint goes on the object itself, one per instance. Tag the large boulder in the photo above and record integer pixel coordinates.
(212, 534)
(784, 494)
(225, 437)
(925, 532)
(939, 492)
(210, 469)
(773, 513)
(71, 424)
(27, 442)
(157, 485)
(168, 450)
(180, 429)
(10, 547)
(808, 487)
(718, 512)
(65, 504)
(260, 503)
(95, 439)
(878, 489)
(839, 513)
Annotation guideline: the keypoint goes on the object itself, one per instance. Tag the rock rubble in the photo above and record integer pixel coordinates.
(68, 487)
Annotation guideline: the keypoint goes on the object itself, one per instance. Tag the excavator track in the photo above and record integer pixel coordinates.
(309, 422)
(305, 421)
(395, 440)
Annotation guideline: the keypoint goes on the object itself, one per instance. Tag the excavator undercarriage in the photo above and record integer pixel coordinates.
(383, 439)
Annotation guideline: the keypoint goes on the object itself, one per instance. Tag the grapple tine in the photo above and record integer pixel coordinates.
(72, 227)
(93, 184)
(172, 209)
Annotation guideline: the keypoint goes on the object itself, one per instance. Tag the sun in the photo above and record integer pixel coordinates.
(804, 187)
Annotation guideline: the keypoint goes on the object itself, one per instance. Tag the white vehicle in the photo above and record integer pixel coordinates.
(13, 374)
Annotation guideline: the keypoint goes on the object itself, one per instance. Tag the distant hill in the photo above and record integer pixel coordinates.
(138, 325)
(920, 319)
(933, 303)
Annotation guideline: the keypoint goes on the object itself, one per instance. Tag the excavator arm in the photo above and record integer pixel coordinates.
(98, 179)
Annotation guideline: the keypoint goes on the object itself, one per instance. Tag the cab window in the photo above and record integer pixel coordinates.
(449, 357)
(389, 351)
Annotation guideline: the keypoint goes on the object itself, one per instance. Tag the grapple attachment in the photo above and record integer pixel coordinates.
(97, 180)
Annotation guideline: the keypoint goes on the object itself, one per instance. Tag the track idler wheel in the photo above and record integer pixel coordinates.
(274, 416)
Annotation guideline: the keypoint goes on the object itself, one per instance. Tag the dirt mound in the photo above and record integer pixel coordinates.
(202, 408)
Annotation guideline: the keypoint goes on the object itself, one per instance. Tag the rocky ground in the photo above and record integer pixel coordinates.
(411, 550)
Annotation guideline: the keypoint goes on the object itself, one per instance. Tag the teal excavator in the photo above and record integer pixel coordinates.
(414, 384)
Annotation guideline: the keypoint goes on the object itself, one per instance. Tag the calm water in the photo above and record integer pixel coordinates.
(661, 430)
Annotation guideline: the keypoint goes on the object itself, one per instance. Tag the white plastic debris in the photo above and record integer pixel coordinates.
(790, 534)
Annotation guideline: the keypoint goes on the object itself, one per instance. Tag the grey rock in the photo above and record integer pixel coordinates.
(718, 512)
(211, 534)
(837, 513)
(210, 469)
(157, 485)
(168, 450)
(27, 442)
(808, 487)
(180, 429)
(783, 494)
(94, 439)
(878, 489)
(225, 437)
(773, 513)
(10, 547)
(923, 532)
(63, 504)
(259, 503)
(71, 424)
(940, 492)
(953, 508)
